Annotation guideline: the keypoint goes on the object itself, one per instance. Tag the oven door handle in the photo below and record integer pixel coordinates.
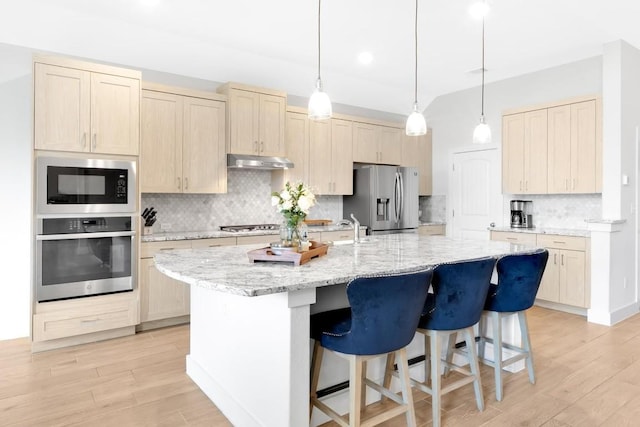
(85, 235)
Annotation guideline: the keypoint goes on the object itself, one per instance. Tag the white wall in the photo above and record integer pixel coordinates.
(15, 190)
(453, 117)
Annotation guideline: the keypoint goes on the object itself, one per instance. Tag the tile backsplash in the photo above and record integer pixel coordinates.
(247, 201)
(434, 208)
(559, 210)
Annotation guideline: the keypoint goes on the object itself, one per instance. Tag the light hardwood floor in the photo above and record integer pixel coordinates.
(587, 375)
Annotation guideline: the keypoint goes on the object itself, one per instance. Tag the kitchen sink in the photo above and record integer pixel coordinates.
(346, 242)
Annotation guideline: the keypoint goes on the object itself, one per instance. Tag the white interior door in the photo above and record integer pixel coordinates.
(475, 193)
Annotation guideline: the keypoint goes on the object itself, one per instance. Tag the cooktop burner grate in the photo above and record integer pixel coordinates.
(253, 227)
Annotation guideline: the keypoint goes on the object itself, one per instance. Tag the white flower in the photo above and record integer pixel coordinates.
(285, 195)
(305, 203)
(286, 205)
(275, 200)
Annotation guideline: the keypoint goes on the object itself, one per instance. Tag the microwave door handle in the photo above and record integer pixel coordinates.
(75, 236)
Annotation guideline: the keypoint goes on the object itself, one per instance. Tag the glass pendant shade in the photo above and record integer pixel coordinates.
(416, 124)
(319, 104)
(482, 132)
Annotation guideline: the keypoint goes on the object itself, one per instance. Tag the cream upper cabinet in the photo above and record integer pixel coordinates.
(85, 110)
(416, 152)
(390, 145)
(524, 152)
(586, 153)
(296, 149)
(256, 120)
(183, 148)
(377, 144)
(341, 156)
(559, 147)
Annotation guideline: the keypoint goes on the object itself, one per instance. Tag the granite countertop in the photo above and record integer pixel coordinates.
(210, 234)
(227, 268)
(544, 230)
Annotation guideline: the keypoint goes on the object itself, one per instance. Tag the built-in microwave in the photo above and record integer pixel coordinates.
(78, 186)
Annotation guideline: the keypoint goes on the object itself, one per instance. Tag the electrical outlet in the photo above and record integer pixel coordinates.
(165, 226)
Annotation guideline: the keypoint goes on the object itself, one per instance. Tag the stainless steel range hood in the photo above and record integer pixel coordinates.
(257, 162)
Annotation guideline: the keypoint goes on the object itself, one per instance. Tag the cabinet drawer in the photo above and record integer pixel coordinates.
(85, 320)
(249, 240)
(337, 235)
(431, 230)
(212, 243)
(562, 242)
(149, 249)
(514, 237)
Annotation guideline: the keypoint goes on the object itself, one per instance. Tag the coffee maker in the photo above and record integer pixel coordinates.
(521, 214)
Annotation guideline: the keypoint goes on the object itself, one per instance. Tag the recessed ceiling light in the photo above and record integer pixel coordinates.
(479, 9)
(365, 58)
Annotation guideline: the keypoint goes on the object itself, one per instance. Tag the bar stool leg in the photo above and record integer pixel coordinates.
(475, 368)
(497, 353)
(405, 384)
(436, 382)
(526, 344)
(316, 362)
(482, 331)
(427, 358)
(355, 389)
(451, 345)
(388, 373)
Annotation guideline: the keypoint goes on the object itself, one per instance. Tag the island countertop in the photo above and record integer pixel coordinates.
(228, 269)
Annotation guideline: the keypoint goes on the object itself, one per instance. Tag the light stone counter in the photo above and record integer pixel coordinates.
(227, 269)
(555, 231)
(210, 234)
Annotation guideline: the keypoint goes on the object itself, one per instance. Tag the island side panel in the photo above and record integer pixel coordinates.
(250, 355)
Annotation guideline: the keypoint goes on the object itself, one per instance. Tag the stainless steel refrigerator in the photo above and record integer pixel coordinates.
(385, 198)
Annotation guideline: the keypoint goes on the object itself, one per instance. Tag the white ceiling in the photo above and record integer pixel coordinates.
(273, 43)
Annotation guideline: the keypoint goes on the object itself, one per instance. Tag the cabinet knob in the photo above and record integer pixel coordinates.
(95, 141)
(262, 146)
(186, 183)
(179, 183)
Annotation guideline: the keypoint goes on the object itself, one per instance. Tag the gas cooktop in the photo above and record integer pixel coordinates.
(253, 227)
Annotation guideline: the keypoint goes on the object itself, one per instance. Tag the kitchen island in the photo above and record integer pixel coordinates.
(250, 345)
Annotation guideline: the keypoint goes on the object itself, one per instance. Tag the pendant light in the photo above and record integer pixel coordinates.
(482, 132)
(416, 124)
(319, 103)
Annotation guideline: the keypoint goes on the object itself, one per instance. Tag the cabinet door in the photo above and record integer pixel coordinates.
(535, 157)
(271, 134)
(61, 108)
(416, 152)
(244, 107)
(550, 286)
(296, 150)
(204, 158)
(513, 154)
(559, 149)
(160, 296)
(390, 146)
(341, 156)
(161, 146)
(572, 278)
(366, 141)
(432, 230)
(115, 114)
(320, 157)
(583, 147)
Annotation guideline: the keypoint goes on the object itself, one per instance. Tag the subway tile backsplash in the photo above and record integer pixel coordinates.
(247, 201)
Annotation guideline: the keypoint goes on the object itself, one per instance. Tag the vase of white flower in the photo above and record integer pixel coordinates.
(294, 203)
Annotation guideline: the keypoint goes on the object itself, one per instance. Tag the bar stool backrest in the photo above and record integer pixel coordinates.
(385, 311)
(460, 290)
(519, 278)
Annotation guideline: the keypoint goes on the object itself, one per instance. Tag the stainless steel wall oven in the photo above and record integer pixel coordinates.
(85, 227)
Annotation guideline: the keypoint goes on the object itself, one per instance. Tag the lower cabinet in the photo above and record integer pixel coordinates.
(432, 230)
(77, 321)
(566, 277)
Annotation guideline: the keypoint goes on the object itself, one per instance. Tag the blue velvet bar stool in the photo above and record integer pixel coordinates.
(382, 318)
(519, 278)
(459, 293)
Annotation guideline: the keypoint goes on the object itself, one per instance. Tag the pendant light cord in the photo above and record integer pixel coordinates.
(482, 96)
(319, 2)
(415, 85)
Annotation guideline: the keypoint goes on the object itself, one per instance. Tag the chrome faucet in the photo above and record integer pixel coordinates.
(356, 229)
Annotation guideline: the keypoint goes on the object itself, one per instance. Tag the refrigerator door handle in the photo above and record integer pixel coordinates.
(401, 206)
(396, 198)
